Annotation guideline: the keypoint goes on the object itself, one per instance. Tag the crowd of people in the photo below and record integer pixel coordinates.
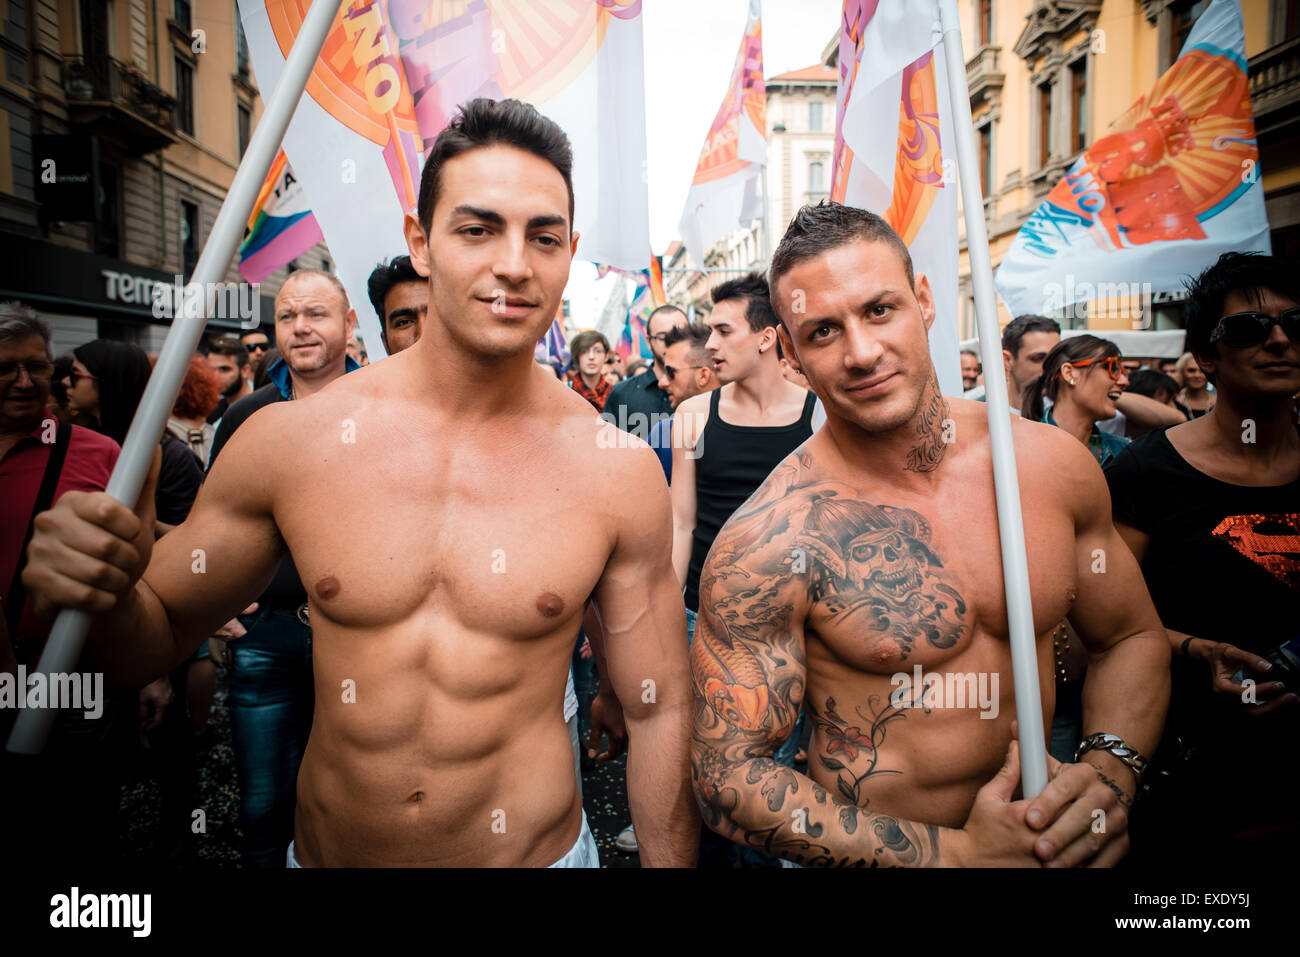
(762, 562)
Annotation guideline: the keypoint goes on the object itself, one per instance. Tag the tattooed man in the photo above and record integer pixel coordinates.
(863, 580)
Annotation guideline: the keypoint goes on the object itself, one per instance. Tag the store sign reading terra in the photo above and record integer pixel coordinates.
(235, 301)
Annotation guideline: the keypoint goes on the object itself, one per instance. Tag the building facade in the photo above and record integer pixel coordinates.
(122, 123)
(1046, 79)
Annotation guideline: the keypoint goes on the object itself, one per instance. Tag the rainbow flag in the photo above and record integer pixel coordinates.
(281, 227)
(647, 297)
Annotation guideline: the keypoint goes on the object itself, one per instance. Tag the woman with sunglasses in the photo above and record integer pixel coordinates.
(1082, 380)
(1195, 398)
(1211, 509)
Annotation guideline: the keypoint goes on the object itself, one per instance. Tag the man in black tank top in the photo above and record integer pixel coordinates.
(725, 442)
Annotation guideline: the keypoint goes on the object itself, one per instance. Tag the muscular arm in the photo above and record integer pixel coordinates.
(204, 571)
(1127, 688)
(748, 669)
(644, 624)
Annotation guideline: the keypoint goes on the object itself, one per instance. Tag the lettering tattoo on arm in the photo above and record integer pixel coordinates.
(798, 541)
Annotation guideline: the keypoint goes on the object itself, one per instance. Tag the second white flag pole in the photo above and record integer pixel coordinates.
(68, 635)
(1011, 529)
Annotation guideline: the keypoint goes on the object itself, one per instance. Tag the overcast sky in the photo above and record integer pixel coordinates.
(690, 47)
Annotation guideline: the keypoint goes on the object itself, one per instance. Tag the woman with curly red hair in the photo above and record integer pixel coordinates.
(199, 395)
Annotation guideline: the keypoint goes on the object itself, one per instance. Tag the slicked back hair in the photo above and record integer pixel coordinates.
(758, 302)
(696, 334)
(483, 122)
(829, 225)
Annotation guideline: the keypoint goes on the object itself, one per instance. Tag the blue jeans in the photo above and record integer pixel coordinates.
(585, 681)
(271, 702)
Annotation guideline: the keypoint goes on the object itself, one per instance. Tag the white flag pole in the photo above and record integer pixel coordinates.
(68, 635)
(1011, 530)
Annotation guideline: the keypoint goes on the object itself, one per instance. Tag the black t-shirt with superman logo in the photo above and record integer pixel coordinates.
(1223, 563)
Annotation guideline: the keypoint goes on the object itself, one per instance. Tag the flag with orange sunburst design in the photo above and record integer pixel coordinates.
(894, 151)
(724, 194)
(393, 72)
(1173, 185)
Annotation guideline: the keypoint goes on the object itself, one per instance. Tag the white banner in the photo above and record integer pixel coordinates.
(1175, 184)
(391, 76)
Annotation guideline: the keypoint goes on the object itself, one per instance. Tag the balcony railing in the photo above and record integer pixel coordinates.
(115, 86)
(982, 74)
(1275, 80)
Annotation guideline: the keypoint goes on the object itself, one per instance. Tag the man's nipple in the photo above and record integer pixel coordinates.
(550, 604)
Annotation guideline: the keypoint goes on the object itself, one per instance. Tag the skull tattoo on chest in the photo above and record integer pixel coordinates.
(874, 573)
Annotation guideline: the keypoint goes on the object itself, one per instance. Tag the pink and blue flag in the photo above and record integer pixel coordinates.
(281, 227)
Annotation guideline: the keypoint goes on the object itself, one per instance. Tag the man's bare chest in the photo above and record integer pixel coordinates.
(916, 582)
(501, 544)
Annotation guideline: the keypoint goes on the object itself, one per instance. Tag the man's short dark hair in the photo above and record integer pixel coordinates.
(758, 302)
(829, 225)
(384, 277)
(483, 122)
(1248, 273)
(230, 347)
(696, 334)
(972, 353)
(1016, 330)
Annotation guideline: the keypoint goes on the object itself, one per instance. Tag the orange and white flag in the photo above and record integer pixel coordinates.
(895, 147)
(392, 74)
(725, 194)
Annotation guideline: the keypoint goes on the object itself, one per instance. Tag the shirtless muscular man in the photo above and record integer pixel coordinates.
(870, 556)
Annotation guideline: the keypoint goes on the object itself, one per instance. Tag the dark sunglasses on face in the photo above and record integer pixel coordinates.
(1111, 364)
(671, 371)
(256, 346)
(1243, 329)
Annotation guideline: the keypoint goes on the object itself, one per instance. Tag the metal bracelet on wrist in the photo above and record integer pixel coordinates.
(1116, 746)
